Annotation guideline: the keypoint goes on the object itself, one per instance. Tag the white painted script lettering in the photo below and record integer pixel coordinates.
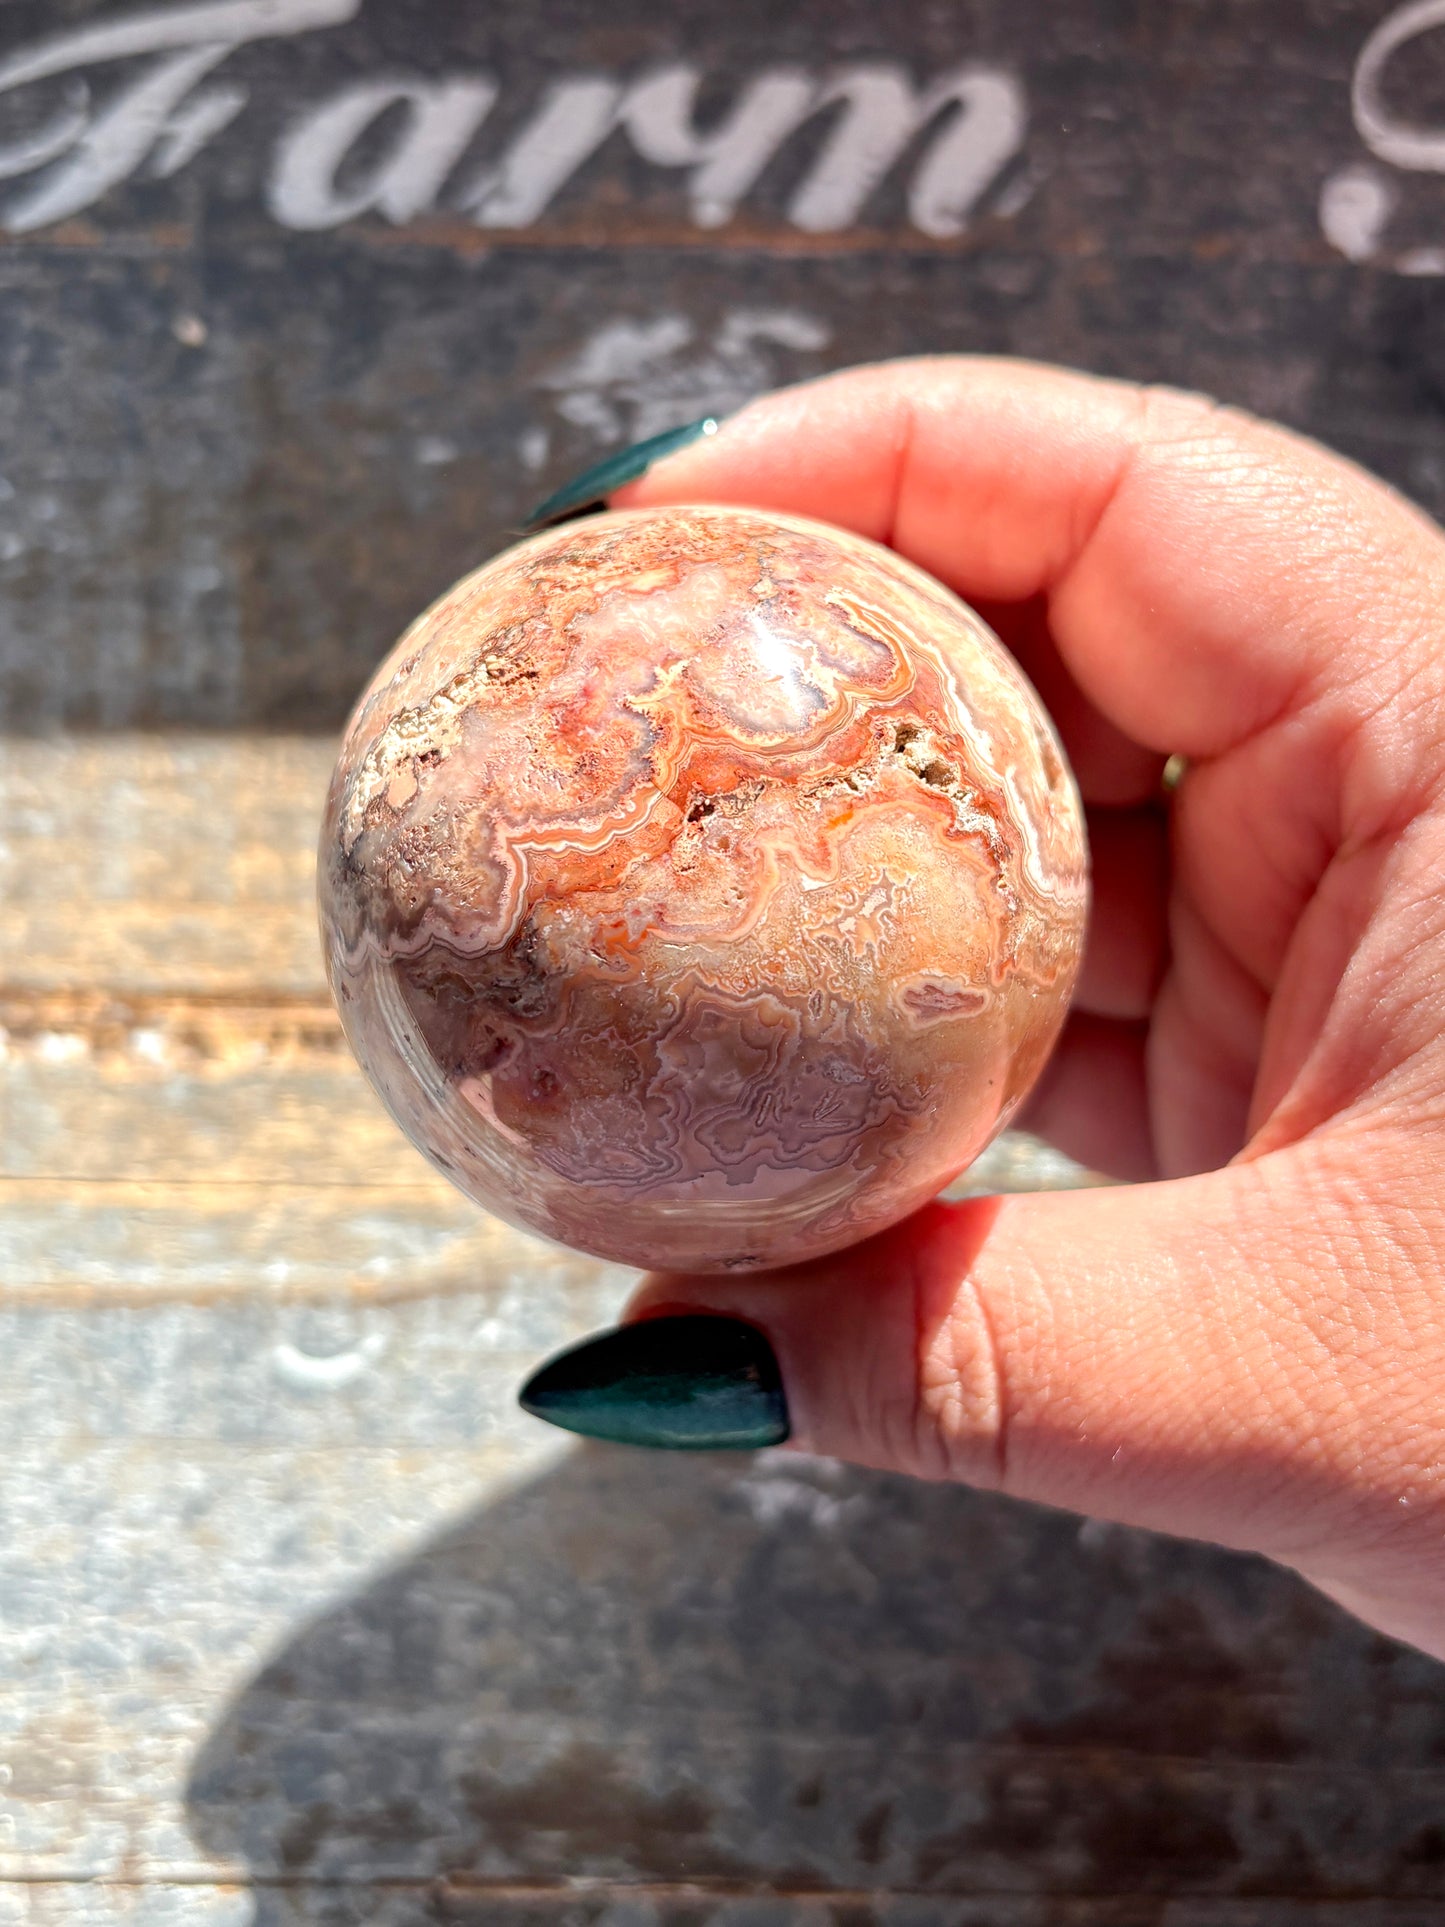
(440, 119)
(1359, 200)
(91, 153)
(1388, 138)
(984, 129)
(573, 120)
(726, 162)
(328, 169)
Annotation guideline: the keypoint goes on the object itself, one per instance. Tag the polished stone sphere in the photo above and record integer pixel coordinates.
(701, 888)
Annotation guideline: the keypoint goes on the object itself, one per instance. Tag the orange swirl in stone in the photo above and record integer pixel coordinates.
(701, 888)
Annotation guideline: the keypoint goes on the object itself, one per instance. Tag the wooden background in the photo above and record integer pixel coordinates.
(300, 1620)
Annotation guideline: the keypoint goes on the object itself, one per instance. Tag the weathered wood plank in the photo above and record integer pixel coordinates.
(143, 1582)
(122, 1904)
(302, 1624)
(513, 1667)
(456, 1904)
(158, 1110)
(183, 1117)
(250, 1345)
(784, 1674)
(131, 1243)
(153, 866)
(344, 1376)
(257, 411)
(293, 1595)
(163, 1107)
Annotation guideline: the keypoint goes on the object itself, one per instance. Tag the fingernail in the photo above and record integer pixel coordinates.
(592, 487)
(691, 1384)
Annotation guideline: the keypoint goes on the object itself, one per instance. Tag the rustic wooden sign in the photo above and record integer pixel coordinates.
(302, 1621)
(304, 301)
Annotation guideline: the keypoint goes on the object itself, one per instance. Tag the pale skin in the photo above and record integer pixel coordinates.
(1248, 1346)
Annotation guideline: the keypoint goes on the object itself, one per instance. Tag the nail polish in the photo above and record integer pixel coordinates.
(691, 1384)
(591, 488)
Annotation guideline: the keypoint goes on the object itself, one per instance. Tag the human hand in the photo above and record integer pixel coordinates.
(1249, 1346)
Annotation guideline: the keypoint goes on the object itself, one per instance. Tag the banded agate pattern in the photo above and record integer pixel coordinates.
(701, 888)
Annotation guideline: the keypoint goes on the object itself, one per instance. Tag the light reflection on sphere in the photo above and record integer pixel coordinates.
(701, 888)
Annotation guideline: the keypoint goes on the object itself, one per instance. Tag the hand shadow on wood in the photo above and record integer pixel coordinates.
(748, 1692)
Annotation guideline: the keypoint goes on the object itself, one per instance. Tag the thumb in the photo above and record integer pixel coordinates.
(1218, 1356)
(1079, 1348)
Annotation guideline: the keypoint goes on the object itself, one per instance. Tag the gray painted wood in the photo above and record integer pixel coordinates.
(302, 1623)
(238, 454)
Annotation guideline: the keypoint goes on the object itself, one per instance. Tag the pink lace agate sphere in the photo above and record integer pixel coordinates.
(701, 888)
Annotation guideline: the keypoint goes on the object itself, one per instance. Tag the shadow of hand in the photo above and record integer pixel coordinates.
(784, 1676)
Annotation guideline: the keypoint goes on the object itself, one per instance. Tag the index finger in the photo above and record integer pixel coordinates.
(1204, 570)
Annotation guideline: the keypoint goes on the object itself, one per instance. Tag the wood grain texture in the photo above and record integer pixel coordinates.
(410, 1904)
(239, 456)
(302, 1622)
(155, 866)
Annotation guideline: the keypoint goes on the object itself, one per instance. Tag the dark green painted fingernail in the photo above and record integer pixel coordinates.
(592, 487)
(702, 1384)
